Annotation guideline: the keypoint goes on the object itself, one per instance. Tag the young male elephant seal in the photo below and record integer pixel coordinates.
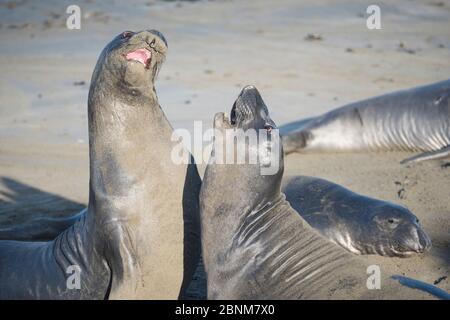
(417, 119)
(255, 246)
(131, 242)
(360, 224)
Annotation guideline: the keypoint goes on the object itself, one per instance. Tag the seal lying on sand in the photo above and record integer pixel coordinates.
(417, 119)
(360, 224)
(255, 246)
(139, 233)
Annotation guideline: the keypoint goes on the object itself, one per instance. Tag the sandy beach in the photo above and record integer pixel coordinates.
(305, 57)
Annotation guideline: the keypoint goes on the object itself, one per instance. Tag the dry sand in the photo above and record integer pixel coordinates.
(216, 47)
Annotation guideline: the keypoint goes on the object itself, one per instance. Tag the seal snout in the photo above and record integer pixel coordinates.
(424, 242)
(246, 105)
(249, 93)
(249, 89)
(240, 107)
(145, 46)
(417, 241)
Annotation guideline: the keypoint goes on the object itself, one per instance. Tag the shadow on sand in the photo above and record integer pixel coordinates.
(28, 213)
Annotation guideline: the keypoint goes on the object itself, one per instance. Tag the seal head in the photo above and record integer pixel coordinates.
(379, 228)
(234, 190)
(240, 160)
(360, 224)
(129, 64)
(395, 232)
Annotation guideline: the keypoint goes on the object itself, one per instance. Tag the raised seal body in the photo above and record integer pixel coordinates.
(416, 119)
(131, 242)
(360, 224)
(255, 246)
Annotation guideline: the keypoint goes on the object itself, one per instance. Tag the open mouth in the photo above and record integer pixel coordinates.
(249, 111)
(233, 115)
(142, 55)
(231, 118)
(407, 252)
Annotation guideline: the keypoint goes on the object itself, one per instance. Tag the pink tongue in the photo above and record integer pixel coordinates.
(141, 55)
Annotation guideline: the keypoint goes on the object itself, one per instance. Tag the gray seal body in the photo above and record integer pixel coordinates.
(138, 238)
(255, 246)
(360, 224)
(416, 119)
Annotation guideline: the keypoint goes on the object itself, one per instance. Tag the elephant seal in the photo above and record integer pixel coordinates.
(360, 224)
(417, 119)
(138, 238)
(255, 246)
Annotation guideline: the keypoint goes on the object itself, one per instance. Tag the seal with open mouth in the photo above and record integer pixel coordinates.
(139, 237)
(255, 246)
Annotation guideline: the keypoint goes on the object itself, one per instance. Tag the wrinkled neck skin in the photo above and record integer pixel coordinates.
(251, 233)
(350, 239)
(268, 253)
(129, 148)
(228, 196)
(123, 131)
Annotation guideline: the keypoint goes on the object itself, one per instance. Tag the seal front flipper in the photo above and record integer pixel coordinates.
(431, 155)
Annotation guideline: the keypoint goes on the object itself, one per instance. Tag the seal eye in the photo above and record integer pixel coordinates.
(392, 223)
(126, 34)
(268, 127)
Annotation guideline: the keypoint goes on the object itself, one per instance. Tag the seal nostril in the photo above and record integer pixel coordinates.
(159, 35)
